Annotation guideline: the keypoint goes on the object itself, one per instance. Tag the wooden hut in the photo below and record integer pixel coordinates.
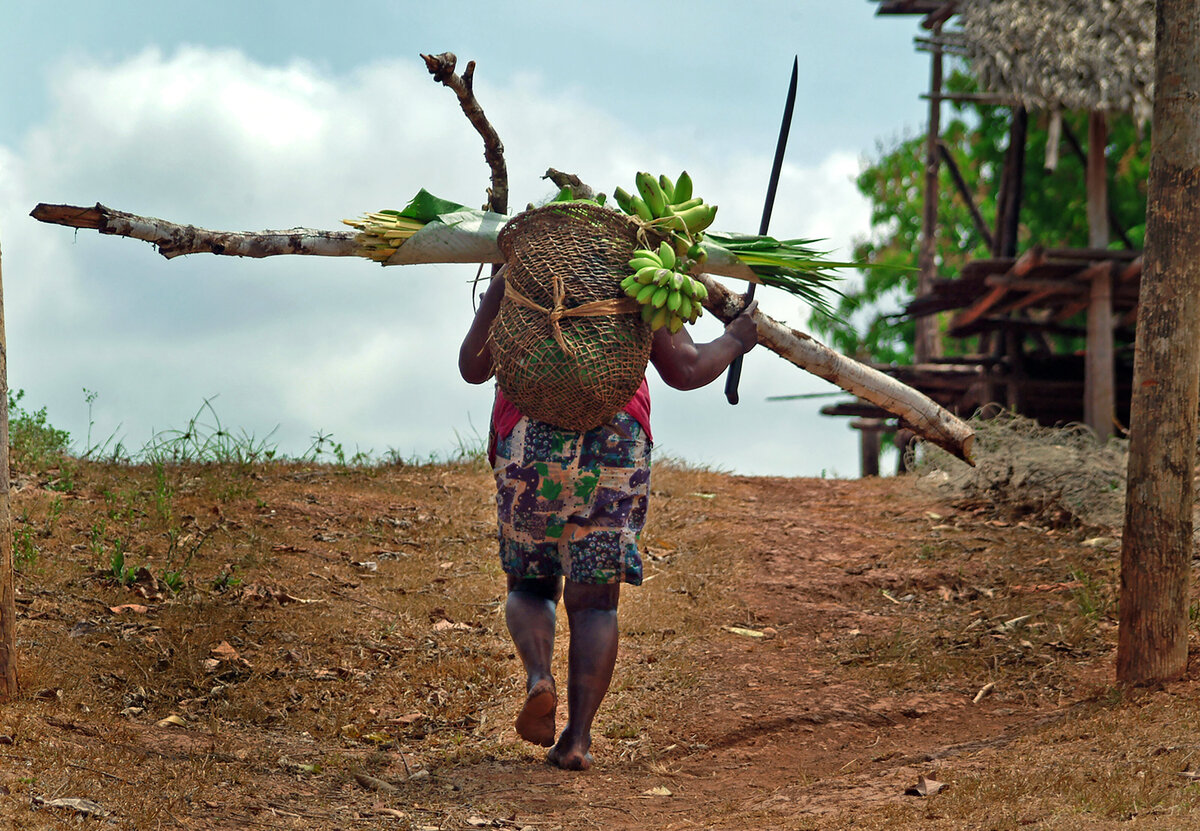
(1041, 57)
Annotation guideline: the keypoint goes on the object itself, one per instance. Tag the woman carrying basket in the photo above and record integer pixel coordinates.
(571, 506)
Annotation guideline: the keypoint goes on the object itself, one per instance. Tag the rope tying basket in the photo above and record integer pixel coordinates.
(569, 347)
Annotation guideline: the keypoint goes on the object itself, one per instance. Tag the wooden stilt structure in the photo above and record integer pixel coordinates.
(1099, 383)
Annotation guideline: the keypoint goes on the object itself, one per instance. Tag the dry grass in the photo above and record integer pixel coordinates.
(361, 609)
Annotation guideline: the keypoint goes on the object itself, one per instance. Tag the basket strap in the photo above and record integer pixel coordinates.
(595, 308)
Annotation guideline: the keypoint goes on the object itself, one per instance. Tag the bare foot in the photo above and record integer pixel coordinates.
(535, 723)
(568, 756)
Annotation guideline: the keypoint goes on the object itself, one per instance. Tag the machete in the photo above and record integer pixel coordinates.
(735, 368)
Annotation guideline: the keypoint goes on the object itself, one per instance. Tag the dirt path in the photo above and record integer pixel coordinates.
(802, 652)
(781, 731)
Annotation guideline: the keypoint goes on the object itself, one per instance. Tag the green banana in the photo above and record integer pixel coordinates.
(660, 297)
(647, 253)
(674, 299)
(668, 187)
(674, 324)
(659, 319)
(623, 199)
(683, 206)
(641, 209)
(662, 277)
(652, 193)
(683, 188)
(667, 254)
(638, 263)
(629, 282)
(685, 306)
(648, 291)
(648, 312)
(698, 218)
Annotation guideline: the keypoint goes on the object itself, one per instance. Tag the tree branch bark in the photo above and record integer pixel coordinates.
(579, 188)
(441, 67)
(175, 240)
(925, 416)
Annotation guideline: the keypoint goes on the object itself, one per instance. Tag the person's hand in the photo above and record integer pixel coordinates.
(744, 328)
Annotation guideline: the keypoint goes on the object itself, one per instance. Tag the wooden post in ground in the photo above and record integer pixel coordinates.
(1012, 186)
(1099, 398)
(928, 344)
(869, 445)
(1156, 546)
(8, 599)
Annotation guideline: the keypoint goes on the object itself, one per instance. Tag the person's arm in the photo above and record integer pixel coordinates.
(687, 365)
(475, 356)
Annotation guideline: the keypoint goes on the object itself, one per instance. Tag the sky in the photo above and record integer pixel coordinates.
(268, 115)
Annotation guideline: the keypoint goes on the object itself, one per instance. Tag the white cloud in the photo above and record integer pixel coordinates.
(213, 138)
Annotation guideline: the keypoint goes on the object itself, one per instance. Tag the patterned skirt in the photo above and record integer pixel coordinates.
(573, 504)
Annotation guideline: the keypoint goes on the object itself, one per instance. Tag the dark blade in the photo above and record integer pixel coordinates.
(735, 368)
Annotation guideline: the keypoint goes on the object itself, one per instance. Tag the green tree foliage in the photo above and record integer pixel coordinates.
(33, 441)
(870, 323)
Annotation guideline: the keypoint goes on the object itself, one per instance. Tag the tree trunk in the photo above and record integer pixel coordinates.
(1156, 548)
(8, 604)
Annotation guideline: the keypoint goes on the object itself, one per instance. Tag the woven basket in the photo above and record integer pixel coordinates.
(569, 347)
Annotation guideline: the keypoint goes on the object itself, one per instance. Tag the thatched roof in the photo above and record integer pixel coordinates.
(1060, 54)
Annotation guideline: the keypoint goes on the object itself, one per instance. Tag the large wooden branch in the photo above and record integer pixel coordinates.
(175, 240)
(926, 417)
(441, 67)
(467, 243)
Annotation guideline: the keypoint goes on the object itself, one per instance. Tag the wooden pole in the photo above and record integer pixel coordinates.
(1098, 384)
(927, 344)
(1156, 546)
(8, 600)
(1009, 215)
(869, 445)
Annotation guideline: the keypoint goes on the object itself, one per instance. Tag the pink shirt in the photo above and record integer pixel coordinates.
(505, 414)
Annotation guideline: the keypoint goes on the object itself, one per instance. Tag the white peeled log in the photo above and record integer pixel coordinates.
(466, 236)
(925, 416)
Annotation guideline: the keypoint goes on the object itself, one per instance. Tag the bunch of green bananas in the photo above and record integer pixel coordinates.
(669, 297)
(661, 280)
(667, 205)
(382, 232)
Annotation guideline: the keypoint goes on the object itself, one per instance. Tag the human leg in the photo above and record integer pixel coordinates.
(529, 612)
(592, 615)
